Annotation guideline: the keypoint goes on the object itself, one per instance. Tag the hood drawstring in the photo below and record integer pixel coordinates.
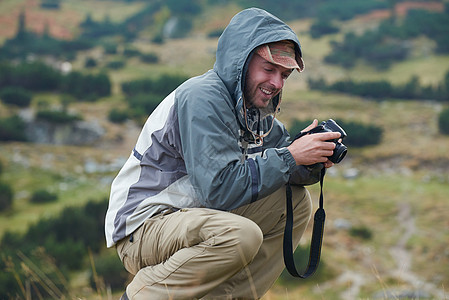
(258, 138)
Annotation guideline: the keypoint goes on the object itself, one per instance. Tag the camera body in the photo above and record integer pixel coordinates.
(340, 149)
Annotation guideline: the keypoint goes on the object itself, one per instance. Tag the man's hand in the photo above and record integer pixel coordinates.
(314, 148)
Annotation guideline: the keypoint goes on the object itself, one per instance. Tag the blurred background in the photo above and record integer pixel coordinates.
(78, 78)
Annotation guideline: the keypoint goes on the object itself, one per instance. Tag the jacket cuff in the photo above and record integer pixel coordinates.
(288, 158)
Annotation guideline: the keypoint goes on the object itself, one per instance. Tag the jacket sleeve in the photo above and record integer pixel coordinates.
(300, 175)
(209, 139)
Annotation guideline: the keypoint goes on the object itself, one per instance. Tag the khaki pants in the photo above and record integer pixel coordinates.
(210, 254)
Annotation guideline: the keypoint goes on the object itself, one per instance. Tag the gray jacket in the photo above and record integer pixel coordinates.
(195, 149)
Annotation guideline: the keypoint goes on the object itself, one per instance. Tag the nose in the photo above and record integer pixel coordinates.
(277, 80)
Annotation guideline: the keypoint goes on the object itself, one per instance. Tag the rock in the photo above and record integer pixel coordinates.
(342, 224)
(79, 133)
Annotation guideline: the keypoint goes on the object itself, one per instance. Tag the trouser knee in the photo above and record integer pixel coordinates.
(248, 239)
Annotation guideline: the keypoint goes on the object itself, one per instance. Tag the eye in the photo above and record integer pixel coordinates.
(285, 75)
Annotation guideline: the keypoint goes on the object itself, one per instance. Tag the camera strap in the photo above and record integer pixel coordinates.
(317, 234)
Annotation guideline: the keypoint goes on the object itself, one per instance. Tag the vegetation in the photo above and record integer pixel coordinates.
(144, 95)
(443, 121)
(6, 196)
(38, 76)
(381, 90)
(12, 129)
(65, 238)
(43, 196)
(387, 44)
(15, 96)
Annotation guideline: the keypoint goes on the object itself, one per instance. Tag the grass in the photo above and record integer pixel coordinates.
(57, 169)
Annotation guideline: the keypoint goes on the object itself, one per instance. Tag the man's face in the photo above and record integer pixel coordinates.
(264, 80)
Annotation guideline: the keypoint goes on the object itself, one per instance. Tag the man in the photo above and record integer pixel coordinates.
(198, 210)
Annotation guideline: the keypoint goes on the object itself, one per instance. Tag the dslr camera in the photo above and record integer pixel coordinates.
(340, 149)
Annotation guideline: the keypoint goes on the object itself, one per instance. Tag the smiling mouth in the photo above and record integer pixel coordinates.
(266, 92)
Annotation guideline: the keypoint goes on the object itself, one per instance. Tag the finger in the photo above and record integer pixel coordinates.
(324, 136)
(328, 164)
(313, 125)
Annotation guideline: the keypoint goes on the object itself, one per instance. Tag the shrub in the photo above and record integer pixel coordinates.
(57, 117)
(116, 64)
(6, 196)
(143, 104)
(16, 96)
(12, 129)
(43, 196)
(131, 52)
(117, 116)
(362, 232)
(90, 62)
(161, 86)
(87, 87)
(322, 27)
(149, 58)
(110, 48)
(443, 122)
(361, 135)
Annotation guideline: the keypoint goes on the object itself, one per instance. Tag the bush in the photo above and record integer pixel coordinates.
(322, 27)
(116, 64)
(131, 52)
(57, 117)
(149, 58)
(86, 87)
(12, 129)
(361, 232)
(161, 86)
(361, 135)
(143, 104)
(117, 116)
(90, 63)
(16, 96)
(6, 196)
(443, 122)
(43, 196)
(110, 48)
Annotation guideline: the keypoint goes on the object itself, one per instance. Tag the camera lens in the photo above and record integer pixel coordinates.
(339, 153)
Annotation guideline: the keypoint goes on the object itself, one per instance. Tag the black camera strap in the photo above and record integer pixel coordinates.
(317, 234)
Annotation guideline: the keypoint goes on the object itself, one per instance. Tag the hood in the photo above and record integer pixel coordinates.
(246, 31)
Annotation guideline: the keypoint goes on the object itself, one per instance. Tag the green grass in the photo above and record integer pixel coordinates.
(57, 169)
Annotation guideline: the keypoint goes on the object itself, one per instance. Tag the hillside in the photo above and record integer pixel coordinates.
(394, 192)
